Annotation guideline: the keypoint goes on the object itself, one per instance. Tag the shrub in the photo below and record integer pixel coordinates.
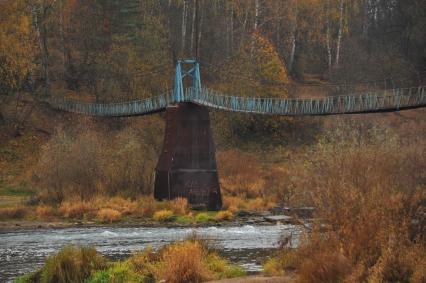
(259, 204)
(183, 262)
(28, 278)
(108, 215)
(202, 217)
(184, 219)
(75, 209)
(120, 272)
(69, 166)
(44, 211)
(368, 206)
(143, 262)
(325, 267)
(16, 212)
(71, 264)
(237, 203)
(222, 268)
(163, 215)
(80, 163)
(224, 215)
(147, 206)
(236, 180)
(124, 206)
(179, 206)
(273, 267)
(233, 204)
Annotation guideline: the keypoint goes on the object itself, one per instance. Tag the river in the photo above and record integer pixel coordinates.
(25, 251)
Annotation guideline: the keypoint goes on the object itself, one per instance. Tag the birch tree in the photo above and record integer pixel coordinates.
(340, 34)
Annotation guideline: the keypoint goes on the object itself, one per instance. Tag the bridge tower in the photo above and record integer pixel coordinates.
(187, 165)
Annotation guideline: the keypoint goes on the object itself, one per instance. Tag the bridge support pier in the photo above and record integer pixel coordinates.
(187, 165)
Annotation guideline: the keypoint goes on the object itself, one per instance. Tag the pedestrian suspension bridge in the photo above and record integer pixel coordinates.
(187, 165)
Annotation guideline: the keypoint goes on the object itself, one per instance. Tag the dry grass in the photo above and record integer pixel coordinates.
(179, 206)
(123, 205)
(224, 215)
(163, 215)
(108, 215)
(237, 180)
(368, 185)
(80, 163)
(184, 262)
(76, 209)
(187, 261)
(71, 264)
(45, 212)
(15, 212)
(237, 203)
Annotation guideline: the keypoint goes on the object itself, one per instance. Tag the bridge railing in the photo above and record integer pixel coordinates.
(137, 107)
(376, 101)
(392, 100)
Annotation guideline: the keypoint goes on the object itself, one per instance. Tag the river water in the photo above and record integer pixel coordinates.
(25, 251)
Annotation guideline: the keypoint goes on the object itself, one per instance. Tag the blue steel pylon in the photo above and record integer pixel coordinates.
(194, 73)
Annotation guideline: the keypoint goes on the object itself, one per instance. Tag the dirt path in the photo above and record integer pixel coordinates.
(258, 279)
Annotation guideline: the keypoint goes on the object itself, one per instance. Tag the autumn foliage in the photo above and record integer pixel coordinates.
(370, 226)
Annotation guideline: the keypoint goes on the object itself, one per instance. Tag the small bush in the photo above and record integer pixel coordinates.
(28, 278)
(163, 215)
(287, 260)
(273, 267)
(75, 209)
(146, 206)
(143, 262)
(325, 267)
(202, 217)
(16, 212)
(179, 206)
(44, 211)
(124, 206)
(224, 215)
(109, 215)
(184, 219)
(120, 272)
(183, 262)
(222, 268)
(72, 264)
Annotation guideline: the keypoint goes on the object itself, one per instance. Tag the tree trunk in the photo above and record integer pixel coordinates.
(194, 15)
(293, 39)
(293, 49)
(256, 24)
(339, 37)
(256, 17)
(42, 41)
(231, 29)
(61, 32)
(200, 25)
(328, 35)
(184, 14)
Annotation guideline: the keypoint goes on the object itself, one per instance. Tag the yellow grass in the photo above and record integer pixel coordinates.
(76, 209)
(183, 262)
(179, 206)
(163, 215)
(224, 215)
(15, 212)
(44, 211)
(109, 215)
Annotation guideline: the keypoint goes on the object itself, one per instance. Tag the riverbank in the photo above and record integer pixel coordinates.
(241, 219)
(258, 279)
